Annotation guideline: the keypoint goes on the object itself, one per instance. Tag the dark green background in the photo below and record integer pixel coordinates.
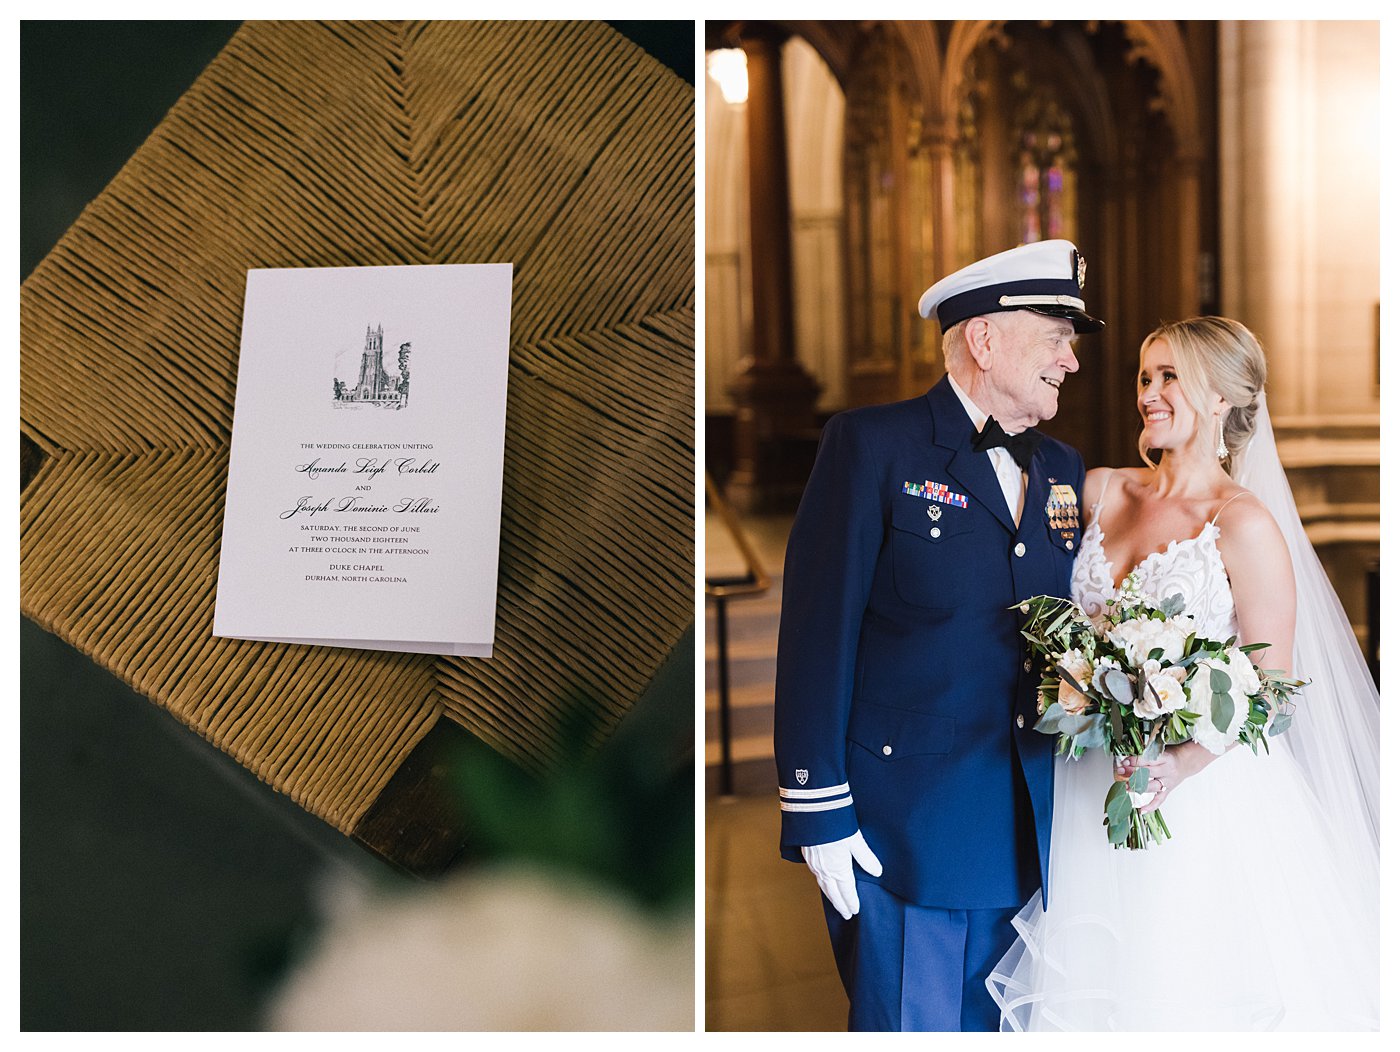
(162, 886)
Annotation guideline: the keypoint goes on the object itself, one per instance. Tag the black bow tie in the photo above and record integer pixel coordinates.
(1021, 447)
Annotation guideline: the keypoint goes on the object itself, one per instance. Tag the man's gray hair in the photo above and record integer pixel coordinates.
(955, 350)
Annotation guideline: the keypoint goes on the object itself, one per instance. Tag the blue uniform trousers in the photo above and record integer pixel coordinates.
(908, 967)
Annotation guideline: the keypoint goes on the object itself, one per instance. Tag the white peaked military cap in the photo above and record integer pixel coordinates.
(1045, 276)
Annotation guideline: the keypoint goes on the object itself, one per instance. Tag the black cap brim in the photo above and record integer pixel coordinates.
(1083, 324)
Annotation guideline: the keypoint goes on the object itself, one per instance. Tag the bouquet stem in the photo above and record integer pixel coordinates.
(1128, 826)
(1142, 827)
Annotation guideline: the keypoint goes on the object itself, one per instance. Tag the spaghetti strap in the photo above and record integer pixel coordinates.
(1222, 507)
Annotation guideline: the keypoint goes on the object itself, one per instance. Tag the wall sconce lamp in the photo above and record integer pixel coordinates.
(729, 68)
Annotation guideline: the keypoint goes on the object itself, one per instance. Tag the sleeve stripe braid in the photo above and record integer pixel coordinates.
(824, 805)
(811, 794)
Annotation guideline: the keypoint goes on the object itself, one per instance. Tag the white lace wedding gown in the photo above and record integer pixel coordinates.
(1242, 921)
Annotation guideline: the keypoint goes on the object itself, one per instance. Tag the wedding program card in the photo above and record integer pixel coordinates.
(364, 488)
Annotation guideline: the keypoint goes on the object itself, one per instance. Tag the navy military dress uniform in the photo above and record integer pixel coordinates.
(906, 696)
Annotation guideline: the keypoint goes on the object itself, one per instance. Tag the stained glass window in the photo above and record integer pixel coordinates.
(1045, 161)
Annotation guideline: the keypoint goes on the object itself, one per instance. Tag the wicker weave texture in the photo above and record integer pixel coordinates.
(559, 147)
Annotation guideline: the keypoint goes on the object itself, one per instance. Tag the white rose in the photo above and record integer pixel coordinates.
(1243, 674)
(1200, 701)
(1169, 694)
(1077, 665)
(1142, 635)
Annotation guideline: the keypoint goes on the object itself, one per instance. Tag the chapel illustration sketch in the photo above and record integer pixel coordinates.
(375, 386)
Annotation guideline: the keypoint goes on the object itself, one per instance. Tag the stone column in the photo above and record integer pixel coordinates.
(773, 395)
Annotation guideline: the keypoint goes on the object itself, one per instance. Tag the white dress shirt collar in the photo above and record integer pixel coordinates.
(978, 418)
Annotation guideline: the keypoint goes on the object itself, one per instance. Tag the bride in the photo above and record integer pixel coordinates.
(1261, 911)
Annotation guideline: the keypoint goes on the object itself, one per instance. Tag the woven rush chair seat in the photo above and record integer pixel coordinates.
(559, 147)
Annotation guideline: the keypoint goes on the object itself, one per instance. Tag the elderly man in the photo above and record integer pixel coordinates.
(910, 778)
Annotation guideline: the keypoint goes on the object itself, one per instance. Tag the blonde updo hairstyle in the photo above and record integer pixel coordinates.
(1215, 356)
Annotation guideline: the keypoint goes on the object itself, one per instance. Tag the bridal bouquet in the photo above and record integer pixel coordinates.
(1137, 679)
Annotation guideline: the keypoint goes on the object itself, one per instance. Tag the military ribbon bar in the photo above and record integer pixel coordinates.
(938, 491)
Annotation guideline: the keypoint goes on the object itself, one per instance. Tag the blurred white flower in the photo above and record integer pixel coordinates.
(506, 950)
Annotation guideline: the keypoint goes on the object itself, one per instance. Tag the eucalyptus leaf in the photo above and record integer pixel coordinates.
(1222, 710)
(1219, 681)
(1092, 736)
(1064, 675)
(1049, 722)
(1118, 812)
(1118, 830)
(1153, 749)
(1138, 782)
(1076, 725)
(1280, 724)
(1097, 679)
(1119, 686)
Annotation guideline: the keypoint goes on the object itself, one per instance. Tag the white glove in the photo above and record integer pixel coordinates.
(831, 864)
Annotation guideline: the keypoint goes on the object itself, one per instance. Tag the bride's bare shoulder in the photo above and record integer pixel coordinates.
(1095, 479)
(1248, 534)
(1098, 480)
(1241, 517)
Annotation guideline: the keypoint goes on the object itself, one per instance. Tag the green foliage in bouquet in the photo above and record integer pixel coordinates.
(1139, 678)
(620, 814)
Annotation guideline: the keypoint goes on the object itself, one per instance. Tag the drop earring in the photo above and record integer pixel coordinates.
(1220, 451)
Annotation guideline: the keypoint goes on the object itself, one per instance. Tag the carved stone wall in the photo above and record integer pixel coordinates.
(1300, 264)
